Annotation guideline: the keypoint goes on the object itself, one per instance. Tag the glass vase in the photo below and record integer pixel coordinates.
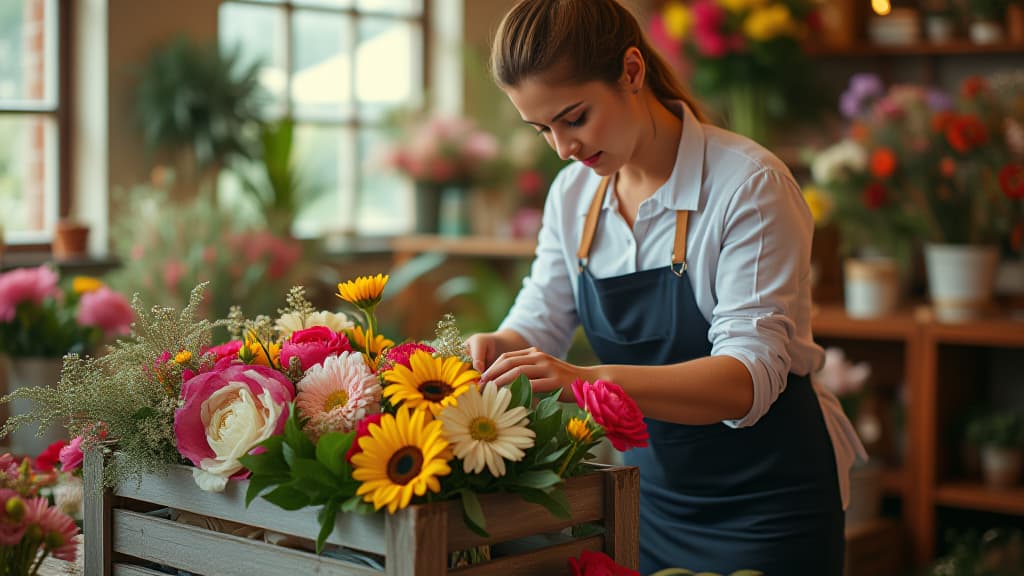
(747, 111)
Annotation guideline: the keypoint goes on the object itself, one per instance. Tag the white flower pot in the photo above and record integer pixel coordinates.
(28, 372)
(1001, 467)
(960, 280)
(870, 286)
(985, 32)
(865, 494)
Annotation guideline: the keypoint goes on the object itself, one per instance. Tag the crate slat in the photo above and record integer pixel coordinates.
(510, 517)
(178, 490)
(207, 552)
(549, 561)
(129, 570)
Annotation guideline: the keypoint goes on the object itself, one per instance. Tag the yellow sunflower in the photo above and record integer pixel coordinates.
(432, 383)
(403, 455)
(364, 292)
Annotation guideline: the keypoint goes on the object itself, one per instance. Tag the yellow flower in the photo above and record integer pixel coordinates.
(255, 351)
(402, 456)
(183, 357)
(82, 284)
(766, 23)
(819, 203)
(431, 384)
(578, 430)
(364, 291)
(357, 337)
(678, 20)
(739, 6)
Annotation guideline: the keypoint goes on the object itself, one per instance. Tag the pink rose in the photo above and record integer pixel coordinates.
(71, 456)
(613, 409)
(25, 285)
(400, 355)
(106, 309)
(226, 350)
(226, 413)
(597, 564)
(312, 345)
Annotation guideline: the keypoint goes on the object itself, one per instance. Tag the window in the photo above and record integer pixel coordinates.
(338, 67)
(33, 119)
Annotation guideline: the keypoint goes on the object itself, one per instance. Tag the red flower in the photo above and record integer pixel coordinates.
(966, 132)
(312, 345)
(613, 409)
(883, 163)
(875, 196)
(973, 86)
(597, 564)
(1011, 180)
(47, 460)
(947, 167)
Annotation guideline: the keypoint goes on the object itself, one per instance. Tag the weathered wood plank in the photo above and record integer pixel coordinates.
(622, 516)
(96, 517)
(129, 570)
(416, 538)
(207, 552)
(178, 490)
(510, 517)
(550, 561)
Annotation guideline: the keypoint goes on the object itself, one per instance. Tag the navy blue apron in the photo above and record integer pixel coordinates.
(715, 498)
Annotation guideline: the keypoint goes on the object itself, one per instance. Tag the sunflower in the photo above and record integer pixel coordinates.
(484, 432)
(370, 347)
(430, 383)
(364, 292)
(402, 456)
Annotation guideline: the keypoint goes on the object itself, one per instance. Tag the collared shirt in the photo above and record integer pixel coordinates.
(748, 262)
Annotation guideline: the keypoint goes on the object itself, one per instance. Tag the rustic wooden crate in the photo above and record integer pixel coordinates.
(416, 541)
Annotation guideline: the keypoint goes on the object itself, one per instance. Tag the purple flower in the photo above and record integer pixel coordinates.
(862, 89)
(939, 101)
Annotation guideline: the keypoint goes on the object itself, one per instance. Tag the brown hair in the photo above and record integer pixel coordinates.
(580, 41)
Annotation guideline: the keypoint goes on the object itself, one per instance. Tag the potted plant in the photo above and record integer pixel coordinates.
(999, 434)
(986, 17)
(939, 21)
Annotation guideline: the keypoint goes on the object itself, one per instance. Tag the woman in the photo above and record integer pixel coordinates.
(684, 251)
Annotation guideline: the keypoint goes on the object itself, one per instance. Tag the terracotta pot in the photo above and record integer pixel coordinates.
(70, 241)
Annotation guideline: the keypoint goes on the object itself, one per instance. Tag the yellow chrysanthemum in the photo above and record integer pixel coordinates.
(402, 456)
(578, 430)
(357, 337)
(431, 383)
(255, 351)
(678, 20)
(771, 22)
(364, 292)
(82, 284)
(183, 357)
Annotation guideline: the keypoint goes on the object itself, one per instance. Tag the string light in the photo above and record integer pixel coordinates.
(881, 7)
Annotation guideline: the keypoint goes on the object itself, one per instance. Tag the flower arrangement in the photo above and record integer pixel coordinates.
(919, 165)
(743, 54)
(599, 564)
(443, 150)
(41, 318)
(30, 527)
(318, 410)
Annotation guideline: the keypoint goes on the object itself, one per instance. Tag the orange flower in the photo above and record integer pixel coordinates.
(947, 167)
(883, 163)
(859, 132)
(966, 132)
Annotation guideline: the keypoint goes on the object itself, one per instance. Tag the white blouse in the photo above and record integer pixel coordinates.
(748, 258)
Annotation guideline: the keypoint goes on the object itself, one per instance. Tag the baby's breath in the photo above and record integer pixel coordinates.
(449, 341)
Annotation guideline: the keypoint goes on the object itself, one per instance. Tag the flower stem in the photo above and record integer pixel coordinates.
(568, 458)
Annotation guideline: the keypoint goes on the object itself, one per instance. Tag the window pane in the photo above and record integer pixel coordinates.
(402, 7)
(28, 42)
(322, 83)
(394, 46)
(28, 183)
(386, 199)
(325, 157)
(325, 3)
(259, 34)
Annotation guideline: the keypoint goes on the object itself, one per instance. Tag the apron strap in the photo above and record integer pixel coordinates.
(678, 263)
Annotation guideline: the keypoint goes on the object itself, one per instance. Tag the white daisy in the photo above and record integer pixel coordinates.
(484, 432)
(337, 394)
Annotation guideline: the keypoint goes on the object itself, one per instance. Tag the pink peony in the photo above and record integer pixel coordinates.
(312, 346)
(71, 455)
(226, 413)
(362, 429)
(597, 564)
(613, 409)
(400, 355)
(108, 310)
(25, 285)
(335, 395)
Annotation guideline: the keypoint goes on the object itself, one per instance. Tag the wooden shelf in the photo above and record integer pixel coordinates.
(482, 246)
(894, 482)
(831, 321)
(996, 332)
(980, 497)
(959, 47)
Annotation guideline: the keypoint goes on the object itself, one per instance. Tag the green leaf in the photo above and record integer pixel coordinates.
(269, 462)
(473, 513)
(287, 497)
(555, 501)
(313, 478)
(547, 407)
(358, 505)
(538, 479)
(554, 456)
(522, 392)
(296, 438)
(326, 517)
(331, 450)
(542, 396)
(258, 484)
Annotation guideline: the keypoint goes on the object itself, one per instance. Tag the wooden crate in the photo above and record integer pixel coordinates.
(875, 548)
(121, 538)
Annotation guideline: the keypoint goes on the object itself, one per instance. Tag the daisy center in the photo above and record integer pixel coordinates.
(336, 399)
(435, 390)
(482, 428)
(405, 465)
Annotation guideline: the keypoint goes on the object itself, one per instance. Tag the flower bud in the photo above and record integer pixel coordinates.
(15, 508)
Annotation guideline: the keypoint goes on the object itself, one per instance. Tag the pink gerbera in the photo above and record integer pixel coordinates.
(336, 395)
(58, 528)
(12, 517)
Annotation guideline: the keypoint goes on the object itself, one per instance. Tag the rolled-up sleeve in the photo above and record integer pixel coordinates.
(544, 312)
(766, 237)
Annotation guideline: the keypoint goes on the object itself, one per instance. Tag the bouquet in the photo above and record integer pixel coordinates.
(443, 150)
(41, 318)
(318, 410)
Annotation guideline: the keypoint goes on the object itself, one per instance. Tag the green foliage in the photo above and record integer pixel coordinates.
(996, 552)
(988, 9)
(47, 330)
(1001, 428)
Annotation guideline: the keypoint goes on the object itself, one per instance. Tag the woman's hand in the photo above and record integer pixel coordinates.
(545, 372)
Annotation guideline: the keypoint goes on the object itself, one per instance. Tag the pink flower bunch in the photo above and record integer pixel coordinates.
(312, 345)
(30, 530)
(444, 150)
(107, 310)
(32, 285)
(613, 409)
(275, 252)
(400, 355)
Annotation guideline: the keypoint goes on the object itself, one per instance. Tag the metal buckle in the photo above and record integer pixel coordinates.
(581, 263)
(682, 266)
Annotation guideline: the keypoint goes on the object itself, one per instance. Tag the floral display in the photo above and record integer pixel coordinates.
(744, 55)
(592, 563)
(443, 150)
(41, 318)
(320, 410)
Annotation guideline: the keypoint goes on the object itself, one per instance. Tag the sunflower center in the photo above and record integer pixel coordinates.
(405, 465)
(482, 428)
(336, 399)
(435, 390)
